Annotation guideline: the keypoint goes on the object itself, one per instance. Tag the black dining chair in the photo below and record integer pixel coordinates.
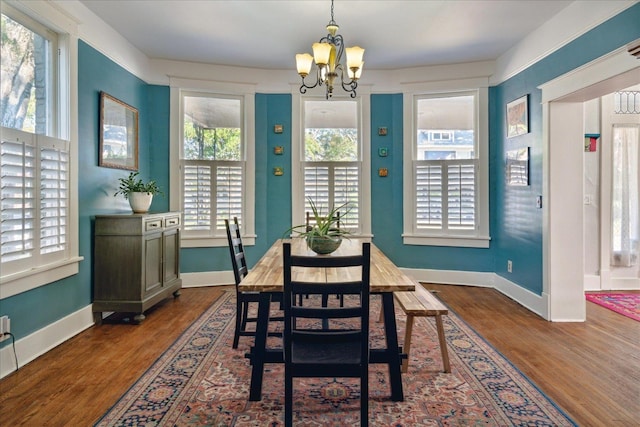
(326, 341)
(240, 270)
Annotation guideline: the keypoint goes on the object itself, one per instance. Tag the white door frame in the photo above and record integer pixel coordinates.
(563, 139)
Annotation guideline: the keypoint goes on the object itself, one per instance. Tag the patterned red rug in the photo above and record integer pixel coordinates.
(200, 380)
(625, 304)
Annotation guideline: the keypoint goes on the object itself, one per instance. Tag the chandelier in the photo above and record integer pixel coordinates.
(327, 54)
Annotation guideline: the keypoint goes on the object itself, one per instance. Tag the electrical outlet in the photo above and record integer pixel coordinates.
(5, 327)
(509, 266)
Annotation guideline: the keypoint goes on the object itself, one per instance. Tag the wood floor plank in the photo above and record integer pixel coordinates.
(591, 369)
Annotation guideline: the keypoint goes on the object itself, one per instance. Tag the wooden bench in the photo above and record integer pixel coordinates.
(422, 303)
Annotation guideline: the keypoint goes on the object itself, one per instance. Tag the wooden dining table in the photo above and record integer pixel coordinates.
(267, 278)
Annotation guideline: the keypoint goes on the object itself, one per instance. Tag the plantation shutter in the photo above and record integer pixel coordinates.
(34, 205)
(333, 184)
(445, 194)
(228, 194)
(196, 196)
(200, 204)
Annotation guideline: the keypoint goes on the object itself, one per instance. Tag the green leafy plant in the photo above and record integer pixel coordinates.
(133, 184)
(325, 225)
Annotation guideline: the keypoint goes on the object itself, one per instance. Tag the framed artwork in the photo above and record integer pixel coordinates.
(518, 166)
(118, 134)
(518, 117)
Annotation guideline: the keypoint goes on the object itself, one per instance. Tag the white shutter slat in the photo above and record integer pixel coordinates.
(429, 196)
(461, 195)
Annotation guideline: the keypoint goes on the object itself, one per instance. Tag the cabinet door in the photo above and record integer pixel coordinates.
(171, 241)
(153, 263)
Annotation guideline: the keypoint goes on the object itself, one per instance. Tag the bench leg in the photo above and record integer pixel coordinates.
(407, 342)
(443, 344)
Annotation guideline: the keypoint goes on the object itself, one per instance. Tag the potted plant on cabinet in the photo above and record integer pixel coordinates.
(324, 235)
(139, 193)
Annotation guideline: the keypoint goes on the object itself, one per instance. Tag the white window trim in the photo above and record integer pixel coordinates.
(481, 237)
(67, 128)
(297, 174)
(178, 86)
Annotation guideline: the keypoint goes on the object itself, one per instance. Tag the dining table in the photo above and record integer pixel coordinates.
(267, 278)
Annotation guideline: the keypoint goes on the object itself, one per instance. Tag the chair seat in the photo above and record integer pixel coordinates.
(334, 353)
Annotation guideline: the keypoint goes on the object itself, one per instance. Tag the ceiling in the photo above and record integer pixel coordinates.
(268, 33)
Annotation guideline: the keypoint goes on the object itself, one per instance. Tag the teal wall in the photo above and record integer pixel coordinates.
(516, 224)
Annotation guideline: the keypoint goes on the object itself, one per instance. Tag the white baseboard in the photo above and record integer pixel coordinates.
(39, 342)
(207, 278)
(536, 303)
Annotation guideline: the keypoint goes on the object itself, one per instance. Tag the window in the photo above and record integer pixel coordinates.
(37, 233)
(330, 168)
(213, 166)
(331, 158)
(445, 185)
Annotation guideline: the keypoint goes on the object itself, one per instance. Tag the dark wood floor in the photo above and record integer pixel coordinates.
(592, 369)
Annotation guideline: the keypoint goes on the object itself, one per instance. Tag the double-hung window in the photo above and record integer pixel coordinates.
(446, 198)
(330, 165)
(213, 166)
(37, 231)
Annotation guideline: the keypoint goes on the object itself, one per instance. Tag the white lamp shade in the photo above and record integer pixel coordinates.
(354, 56)
(303, 63)
(321, 52)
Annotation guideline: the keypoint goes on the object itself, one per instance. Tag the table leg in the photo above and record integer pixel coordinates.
(259, 346)
(393, 354)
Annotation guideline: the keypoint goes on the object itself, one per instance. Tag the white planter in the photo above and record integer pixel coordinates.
(140, 202)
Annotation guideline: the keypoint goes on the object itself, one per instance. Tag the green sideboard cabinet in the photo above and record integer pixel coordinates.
(136, 262)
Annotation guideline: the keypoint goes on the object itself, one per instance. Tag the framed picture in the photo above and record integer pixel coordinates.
(518, 117)
(118, 134)
(518, 166)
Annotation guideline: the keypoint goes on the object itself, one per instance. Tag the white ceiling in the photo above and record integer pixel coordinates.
(268, 33)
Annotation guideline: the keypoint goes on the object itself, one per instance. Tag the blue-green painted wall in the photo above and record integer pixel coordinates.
(516, 223)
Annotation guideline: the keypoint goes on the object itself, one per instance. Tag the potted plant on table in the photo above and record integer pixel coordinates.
(139, 193)
(324, 235)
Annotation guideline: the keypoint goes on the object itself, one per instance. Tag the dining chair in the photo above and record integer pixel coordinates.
(326, 341)
(243, 299)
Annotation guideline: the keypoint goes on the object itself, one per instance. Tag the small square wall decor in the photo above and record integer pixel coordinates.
(278, 149)
(383, 172)
(278, 128)
(278, 171)
(382, 131)
(383, 151)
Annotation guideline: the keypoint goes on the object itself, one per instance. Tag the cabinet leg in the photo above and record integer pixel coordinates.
(138, 318)
(177, 293)
(97, 317)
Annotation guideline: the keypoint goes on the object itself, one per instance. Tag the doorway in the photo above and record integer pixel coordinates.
(563, 171)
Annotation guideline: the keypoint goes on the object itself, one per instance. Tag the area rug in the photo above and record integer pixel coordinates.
(201, 381)
(625, 304)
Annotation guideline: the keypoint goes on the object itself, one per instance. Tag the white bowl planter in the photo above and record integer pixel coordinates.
(140, 202)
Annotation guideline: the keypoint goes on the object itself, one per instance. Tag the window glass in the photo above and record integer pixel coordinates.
(212, 163)
(27, 66)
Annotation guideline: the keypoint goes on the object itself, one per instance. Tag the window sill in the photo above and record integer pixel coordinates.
(23, 281)
(454, 241)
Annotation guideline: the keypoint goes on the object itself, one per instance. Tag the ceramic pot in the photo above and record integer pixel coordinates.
(140, 202)
(323, 245)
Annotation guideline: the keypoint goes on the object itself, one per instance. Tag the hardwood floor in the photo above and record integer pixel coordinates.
(592, 369)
